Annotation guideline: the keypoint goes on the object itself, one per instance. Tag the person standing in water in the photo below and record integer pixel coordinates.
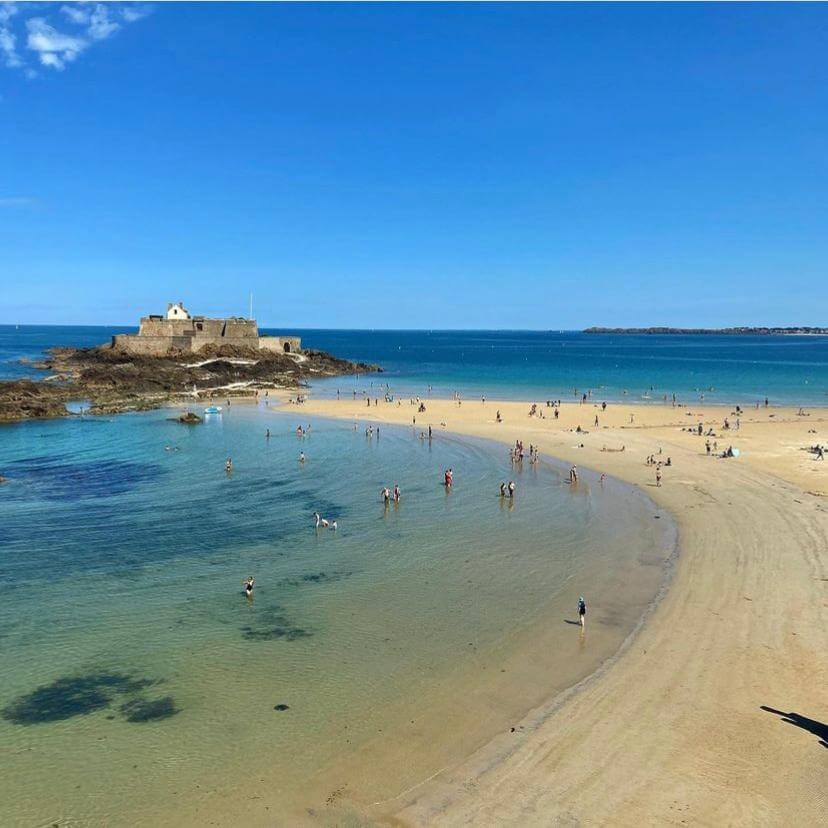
(396, 493)
(248, 586)
(228, 466)
(582, 612)
(301, 456)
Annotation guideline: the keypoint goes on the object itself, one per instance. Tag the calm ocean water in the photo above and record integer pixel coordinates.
(536, 365)
(126, 640)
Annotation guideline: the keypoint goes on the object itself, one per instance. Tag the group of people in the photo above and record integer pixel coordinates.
(516, 454)
(388, 495)
(507, 489)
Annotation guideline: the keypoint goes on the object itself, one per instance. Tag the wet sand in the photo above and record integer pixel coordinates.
(675, 730)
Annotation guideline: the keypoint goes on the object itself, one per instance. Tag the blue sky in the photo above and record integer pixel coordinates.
(437, 166)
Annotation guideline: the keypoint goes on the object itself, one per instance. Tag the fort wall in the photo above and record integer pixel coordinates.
(158, 336)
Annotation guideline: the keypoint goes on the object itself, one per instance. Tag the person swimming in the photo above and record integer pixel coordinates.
(248, 586)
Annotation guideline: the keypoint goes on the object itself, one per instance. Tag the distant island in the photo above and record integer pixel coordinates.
(742, 331)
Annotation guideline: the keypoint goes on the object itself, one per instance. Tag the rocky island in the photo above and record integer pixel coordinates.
(172, 359)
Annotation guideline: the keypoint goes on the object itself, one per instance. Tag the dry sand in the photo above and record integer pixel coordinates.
(673, 731)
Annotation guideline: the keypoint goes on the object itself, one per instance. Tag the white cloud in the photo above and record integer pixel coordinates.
(77, 14)
(134, 11)
(8, 39)
(7, 48)
(101, 26)
(54, 49)
(7, 11)
(81, 24)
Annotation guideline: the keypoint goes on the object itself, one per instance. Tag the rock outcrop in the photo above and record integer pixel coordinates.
(113, 381)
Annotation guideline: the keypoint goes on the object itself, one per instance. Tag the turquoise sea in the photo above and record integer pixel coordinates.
(537, 365)
(137, 676)
(140, 686)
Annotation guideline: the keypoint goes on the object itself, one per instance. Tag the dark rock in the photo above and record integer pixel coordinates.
(114, 381)
(189, 418)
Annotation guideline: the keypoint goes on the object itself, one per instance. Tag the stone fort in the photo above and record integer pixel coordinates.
(178, 331)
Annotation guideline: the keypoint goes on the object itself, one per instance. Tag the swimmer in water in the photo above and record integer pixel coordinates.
(301, 456)
(248, 586)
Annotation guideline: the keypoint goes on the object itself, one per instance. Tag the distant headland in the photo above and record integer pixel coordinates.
(740, 331)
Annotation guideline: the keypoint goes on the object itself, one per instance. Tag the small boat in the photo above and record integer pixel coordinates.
(213, 409)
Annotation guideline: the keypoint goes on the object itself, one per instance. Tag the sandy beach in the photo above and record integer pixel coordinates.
(681, 727)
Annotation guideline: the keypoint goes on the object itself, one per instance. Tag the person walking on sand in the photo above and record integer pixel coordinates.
(658, 476)
(582, 612)
(573, 474)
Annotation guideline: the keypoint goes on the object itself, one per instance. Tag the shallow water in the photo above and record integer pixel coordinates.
(137, 677)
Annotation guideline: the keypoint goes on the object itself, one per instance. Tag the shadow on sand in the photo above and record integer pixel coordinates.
(819, 729)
